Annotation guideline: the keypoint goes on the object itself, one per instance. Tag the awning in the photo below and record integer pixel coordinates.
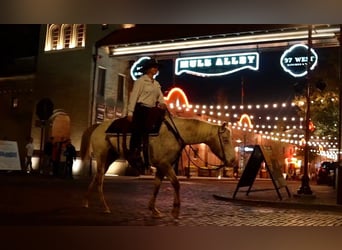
(154, 38)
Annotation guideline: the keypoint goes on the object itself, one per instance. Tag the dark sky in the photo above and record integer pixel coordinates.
(17, 40)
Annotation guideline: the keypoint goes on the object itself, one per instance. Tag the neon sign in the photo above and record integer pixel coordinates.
(217, 65)
(248, 120)
(295, 59)
(178, 95)
(137, 66)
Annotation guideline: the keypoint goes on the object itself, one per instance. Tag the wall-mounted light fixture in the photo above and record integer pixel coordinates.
(15, 102)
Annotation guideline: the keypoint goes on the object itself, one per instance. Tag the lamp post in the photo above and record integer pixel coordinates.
(339, 168)
(305, 189)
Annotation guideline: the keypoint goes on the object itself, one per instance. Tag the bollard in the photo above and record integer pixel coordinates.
(339, 185)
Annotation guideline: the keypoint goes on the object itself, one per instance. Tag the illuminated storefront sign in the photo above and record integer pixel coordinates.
(136, 67)
(295, 59)
(217, 65)
(177, 96)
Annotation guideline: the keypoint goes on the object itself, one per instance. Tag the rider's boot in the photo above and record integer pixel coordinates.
(135, 160)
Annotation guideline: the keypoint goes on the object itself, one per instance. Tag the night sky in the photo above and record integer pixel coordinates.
(17, 40)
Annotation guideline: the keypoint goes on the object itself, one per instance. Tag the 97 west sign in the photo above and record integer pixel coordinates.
(295, 60)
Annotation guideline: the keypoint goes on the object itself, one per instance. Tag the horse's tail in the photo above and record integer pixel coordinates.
(85, 142)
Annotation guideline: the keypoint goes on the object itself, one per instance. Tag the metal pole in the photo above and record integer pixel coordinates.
(242, 90)
(188, 172)
(338, 171)
(305, 189)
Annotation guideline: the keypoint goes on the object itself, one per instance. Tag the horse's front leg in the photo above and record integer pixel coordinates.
(152, 204)
(176, 186)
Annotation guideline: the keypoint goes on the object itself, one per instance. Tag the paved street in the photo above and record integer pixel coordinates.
(43, 200)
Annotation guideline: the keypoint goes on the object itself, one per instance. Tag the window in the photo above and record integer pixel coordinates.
(54, 37)
(80, 34)
(67, 36)
(101, 80)
(120, 95)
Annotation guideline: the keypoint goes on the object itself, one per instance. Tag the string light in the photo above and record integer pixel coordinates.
(263, 125)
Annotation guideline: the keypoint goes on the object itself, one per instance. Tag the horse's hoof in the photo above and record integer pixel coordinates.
(175, 213)
(176, 220)
(155, 212)
(157, 215)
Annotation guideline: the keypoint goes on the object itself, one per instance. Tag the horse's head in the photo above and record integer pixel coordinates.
(226, 152)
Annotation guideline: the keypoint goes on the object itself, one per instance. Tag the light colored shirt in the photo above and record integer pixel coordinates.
(29, 149)
(145, 91)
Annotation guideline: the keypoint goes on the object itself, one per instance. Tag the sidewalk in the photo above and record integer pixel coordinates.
(263, 193)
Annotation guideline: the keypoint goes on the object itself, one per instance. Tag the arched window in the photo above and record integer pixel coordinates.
(67, 32)
(54, 37)
(80, 35)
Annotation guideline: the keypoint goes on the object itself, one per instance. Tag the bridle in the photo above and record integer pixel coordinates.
(222, 141)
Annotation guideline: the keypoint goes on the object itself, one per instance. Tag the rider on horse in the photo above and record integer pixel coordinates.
(146, 110)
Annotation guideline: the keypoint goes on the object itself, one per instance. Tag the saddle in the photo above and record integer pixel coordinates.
(122, 126)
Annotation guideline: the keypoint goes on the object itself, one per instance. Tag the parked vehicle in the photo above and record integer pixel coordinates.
(327, 173)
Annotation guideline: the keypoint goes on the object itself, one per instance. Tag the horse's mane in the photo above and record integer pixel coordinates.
(193, 119)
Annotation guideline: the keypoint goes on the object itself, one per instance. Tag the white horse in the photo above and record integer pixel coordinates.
(164, 150)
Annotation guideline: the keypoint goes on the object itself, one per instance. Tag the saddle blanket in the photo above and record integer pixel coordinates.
(122, 126)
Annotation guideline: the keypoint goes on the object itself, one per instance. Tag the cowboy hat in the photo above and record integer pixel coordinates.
(150, 63)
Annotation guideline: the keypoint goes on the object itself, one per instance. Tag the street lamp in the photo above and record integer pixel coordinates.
(339, 168)
(305, 189)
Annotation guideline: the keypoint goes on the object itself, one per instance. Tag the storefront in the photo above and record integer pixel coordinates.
(213, 64)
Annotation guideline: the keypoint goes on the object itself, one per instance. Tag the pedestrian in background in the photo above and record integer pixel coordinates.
(62, 157)
(29, 154)
(56, 157)
(70, 155)
(48, 148)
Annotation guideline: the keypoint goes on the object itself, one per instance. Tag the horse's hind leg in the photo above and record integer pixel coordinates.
(86, 197)
(152, 204)
(100, 179)
(176, 201)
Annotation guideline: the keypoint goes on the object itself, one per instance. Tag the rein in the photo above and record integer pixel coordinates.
(178, 136)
